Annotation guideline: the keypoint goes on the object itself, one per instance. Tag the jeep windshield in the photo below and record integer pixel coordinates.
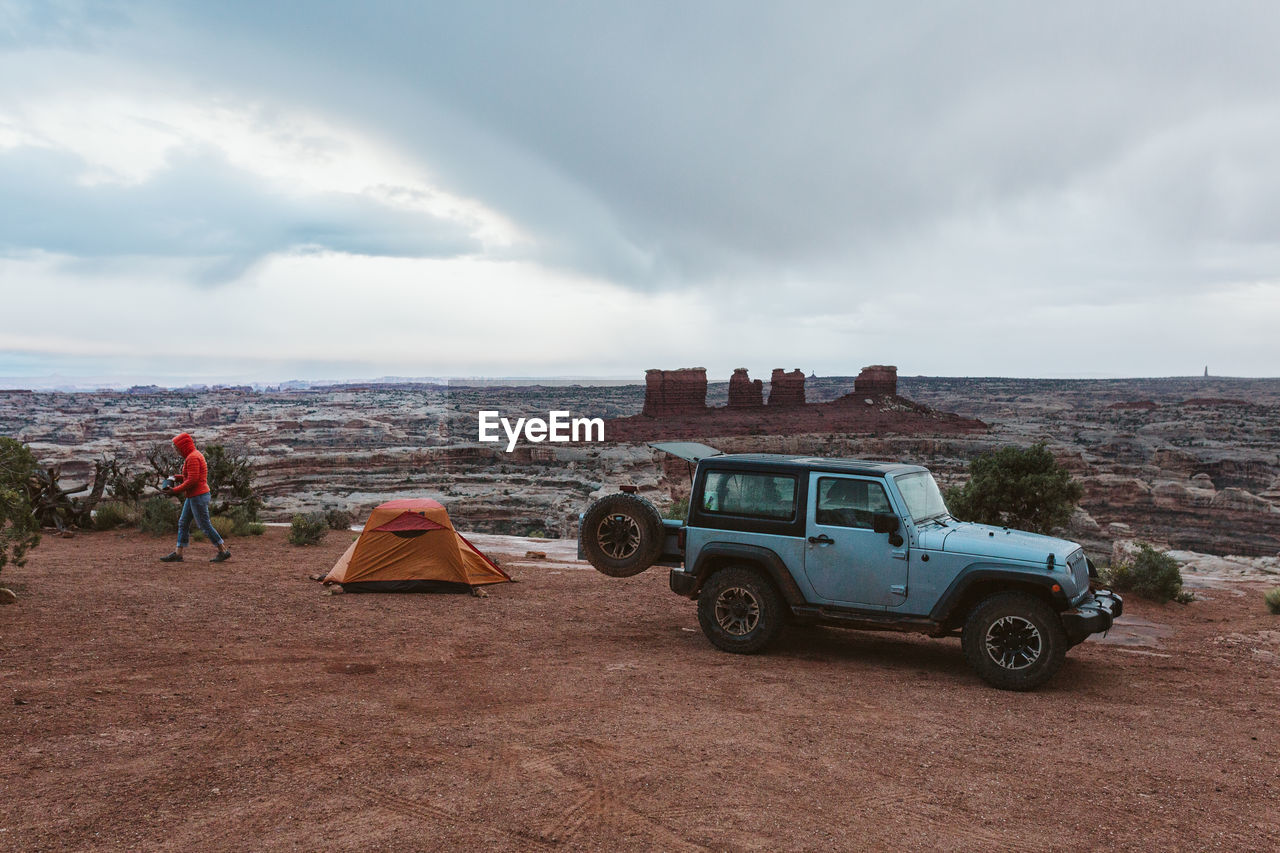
(924, 499)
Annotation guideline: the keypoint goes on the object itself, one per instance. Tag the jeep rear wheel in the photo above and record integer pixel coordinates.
(739, 610)
(622, 535)
(1014, 641)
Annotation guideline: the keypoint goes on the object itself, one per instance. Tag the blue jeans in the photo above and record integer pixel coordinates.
(199, 508)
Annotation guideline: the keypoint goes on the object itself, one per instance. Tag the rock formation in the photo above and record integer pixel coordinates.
(675, 392)
(745, 393)
(878, 380)
(786, 389)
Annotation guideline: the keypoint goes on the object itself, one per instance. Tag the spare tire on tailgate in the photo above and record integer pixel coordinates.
(622, 535)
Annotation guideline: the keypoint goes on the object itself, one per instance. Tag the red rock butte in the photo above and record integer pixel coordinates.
(675, 406)
(744, 392)
(786, 389)
(878, 380)
(675, 392)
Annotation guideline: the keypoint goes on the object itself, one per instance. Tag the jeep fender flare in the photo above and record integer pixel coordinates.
(717, 554)
(980, 575)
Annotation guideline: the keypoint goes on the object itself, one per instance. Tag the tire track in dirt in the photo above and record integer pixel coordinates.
(416, 809)
(569, 822)
(444, 821)
(596, 801)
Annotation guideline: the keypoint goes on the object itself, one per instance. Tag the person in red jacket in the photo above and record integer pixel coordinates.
(193, 485)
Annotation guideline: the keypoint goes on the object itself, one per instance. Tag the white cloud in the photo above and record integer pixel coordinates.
(126, 130)
(403, 316)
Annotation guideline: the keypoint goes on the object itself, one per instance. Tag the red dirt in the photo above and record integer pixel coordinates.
(188, 707)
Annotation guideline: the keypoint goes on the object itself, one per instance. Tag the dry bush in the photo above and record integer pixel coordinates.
(308, 529)
(110, 515)
(1272, 598)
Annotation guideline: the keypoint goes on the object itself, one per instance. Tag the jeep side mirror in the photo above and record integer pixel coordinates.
(883, 522)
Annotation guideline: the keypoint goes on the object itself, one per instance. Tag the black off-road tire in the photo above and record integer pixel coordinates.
(622, 535)
(1014, 641)
(740, 610)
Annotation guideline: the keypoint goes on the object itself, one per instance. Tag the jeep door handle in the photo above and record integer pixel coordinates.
(822, 539)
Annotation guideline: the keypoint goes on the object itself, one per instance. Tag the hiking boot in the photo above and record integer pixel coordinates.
(221, 557)
(173, 557)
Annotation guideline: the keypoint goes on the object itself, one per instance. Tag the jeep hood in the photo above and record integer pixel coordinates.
(984, 540)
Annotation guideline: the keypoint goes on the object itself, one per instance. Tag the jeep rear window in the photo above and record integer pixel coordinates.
(752, 495)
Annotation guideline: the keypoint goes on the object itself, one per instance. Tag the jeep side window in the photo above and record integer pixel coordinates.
(849, 503)
(754, 495)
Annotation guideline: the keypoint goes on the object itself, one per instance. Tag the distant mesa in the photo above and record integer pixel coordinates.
(1214, 401)
(1145, 405)
(675, 406)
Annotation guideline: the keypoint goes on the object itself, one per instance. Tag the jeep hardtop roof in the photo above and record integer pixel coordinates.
(864, 467)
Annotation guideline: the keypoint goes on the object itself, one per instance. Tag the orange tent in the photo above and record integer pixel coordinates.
(410, 546)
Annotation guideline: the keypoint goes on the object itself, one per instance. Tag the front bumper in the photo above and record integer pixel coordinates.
(1093, 615)
(682, 583)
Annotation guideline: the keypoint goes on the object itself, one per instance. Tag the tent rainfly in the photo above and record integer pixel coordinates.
(410, 545)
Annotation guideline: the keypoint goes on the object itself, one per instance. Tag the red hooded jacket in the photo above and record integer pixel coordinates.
(194, 479)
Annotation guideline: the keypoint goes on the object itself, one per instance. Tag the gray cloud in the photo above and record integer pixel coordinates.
(668, 142)
(202, 209)
(1062, 156)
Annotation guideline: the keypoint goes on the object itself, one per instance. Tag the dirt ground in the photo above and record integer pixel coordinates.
(193, 707)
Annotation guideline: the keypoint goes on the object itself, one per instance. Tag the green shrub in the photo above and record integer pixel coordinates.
(308, 529)
(1150, 574)
(19, 530)
(244, 522)
(1024, 488)
(339, 519)
(159, 516)
(108, 515)
(224, 524)
(1272, 598)
(678, 510)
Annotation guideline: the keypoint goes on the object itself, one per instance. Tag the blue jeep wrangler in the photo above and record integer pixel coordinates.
(772, 539)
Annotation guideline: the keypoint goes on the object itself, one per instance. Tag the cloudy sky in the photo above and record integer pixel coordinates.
(262, 191)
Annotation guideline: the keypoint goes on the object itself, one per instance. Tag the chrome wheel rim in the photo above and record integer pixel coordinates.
(737, 611)
(618, 535)
(1014, 643)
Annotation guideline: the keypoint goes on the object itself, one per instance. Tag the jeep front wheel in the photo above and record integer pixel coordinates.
(739, 610)
(622, 535)
(1014, 641)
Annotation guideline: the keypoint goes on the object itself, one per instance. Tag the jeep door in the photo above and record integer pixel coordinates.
(845, 560)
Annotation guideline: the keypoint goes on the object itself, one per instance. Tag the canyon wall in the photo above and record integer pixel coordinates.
(1190, 463)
